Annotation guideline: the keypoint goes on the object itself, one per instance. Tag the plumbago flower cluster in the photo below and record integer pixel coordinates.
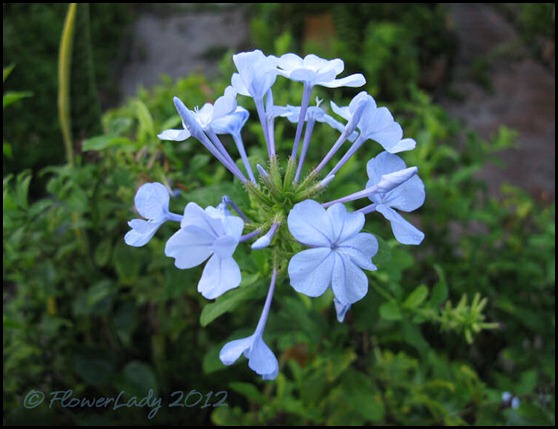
(288, 216)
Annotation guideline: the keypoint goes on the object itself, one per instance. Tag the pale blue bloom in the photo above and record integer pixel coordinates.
(211, 234)
(256, 73)
(313, 70)
(260, 357)
(338, 251)
(341, 310)
(152, 202)
(373, 122)
(198, 123)
(197, 120)
(408, 196)
(232, 123)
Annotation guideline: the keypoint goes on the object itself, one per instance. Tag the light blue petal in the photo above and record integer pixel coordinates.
(384, 163)
(378, 124)
(174, 135)
(343, 111)
(225, 246)
(308, 223)
(310, 271)
(403, 145)
(194, 215)
(262, 360)
(233, 226)
(349, 283)
(152, 201)
(219, 276)
(362, 97)
(189, 246)
(225, 105)
(408, 196)
(238, 84)
(142, 231)
(188, 118)
(232, 123)
(234, 349)
(360, 249)
(303, 75)
(344, 224)
(404, 232)
(341, 309)
(352, 81)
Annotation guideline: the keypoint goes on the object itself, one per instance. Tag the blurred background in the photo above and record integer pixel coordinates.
(474, 84)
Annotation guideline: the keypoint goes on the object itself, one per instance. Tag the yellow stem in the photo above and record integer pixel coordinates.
(64, 76)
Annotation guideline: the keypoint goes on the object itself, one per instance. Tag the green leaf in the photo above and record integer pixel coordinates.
(390, 311)
(6, 71)
(146, 127)
(12, 97)
(417, 297)
(248, 390)
(99, 143)
(230, 300)
(440, 290)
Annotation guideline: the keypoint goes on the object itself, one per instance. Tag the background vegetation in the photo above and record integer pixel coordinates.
(83, 311)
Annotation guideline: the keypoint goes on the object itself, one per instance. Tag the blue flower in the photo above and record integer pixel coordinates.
(374, 123)
(197, 120)
(338, 251)
(313, 70)
(407, 196)
(256, 73)
(260, 357)
(232, 123)
(152, 202)
(208, 234)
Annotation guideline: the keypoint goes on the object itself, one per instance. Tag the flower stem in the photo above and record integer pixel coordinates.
(265, 312)
(307, 92)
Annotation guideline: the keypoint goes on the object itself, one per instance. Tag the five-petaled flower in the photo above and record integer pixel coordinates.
(152, 202)
(406, 197)
(338, 251)
(211, 233)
